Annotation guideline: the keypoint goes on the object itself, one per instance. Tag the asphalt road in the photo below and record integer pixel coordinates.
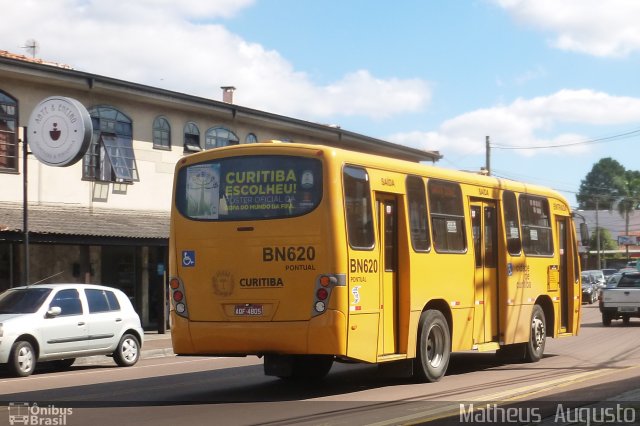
(596, 372)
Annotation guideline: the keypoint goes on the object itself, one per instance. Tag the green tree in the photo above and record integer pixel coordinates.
(602, 186)
(630, 200)
(606, 241)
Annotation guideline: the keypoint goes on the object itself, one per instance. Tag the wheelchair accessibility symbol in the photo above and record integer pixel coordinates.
(188, 258)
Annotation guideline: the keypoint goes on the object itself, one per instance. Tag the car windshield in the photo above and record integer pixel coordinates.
(613, 280)
(22, 301)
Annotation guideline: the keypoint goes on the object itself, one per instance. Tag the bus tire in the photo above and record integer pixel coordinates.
(434, 347)
(308, 367)
(538, 335)
(511, 353)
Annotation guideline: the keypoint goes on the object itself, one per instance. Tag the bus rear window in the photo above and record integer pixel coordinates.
(249, 188)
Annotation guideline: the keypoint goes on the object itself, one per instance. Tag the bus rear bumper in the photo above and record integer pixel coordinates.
(322, 335)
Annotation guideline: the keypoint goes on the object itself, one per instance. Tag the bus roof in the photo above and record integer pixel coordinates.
(380, 162)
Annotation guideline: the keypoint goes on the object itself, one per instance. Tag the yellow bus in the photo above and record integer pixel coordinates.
(306, 254)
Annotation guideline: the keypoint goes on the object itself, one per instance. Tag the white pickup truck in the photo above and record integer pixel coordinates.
(621, 301)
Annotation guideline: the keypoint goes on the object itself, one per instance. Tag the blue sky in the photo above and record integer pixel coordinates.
(432, 74)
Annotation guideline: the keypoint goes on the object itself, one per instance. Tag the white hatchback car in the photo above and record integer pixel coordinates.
(60, 322)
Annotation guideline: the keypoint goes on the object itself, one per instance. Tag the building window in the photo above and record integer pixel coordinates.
(8, 134)
(191, 138)
(217, 137)
(110, 157)
(161, 133)
(251, 138)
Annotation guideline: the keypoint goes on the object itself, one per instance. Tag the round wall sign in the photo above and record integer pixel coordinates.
(59, 131)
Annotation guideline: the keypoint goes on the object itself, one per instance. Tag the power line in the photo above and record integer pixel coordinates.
(586, 142)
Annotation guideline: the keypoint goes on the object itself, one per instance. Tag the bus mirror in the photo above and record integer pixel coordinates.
(584, 234)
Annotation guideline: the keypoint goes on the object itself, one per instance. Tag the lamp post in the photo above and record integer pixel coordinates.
(25, 208)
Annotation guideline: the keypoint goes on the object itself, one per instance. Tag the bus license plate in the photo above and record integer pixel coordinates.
(248, 310)
(626, 309)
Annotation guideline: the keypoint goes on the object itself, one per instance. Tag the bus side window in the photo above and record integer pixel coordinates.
(357, 199)
(447, 217)
(536, 225)
(418, 218)
(511, 222)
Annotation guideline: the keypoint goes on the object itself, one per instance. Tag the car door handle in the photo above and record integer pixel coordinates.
(81, 323)
(118, 319)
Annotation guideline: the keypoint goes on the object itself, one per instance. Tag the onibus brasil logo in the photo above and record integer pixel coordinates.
(23, 413)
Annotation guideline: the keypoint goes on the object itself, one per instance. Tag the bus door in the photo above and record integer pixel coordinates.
(387, 212)
(484, 224)
(563, 243)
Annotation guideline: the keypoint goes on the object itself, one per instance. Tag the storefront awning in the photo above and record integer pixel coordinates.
(79, 222)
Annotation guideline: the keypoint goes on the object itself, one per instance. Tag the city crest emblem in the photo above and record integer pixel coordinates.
(223, 283)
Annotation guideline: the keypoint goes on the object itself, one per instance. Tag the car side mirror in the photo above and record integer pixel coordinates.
(54, 311)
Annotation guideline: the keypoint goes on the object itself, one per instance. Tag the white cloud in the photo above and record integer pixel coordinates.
(184, 46)
(525, 122)
(595, 27)
(530, 75)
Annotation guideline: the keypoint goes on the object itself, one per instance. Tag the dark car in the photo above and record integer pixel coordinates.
(589, 288)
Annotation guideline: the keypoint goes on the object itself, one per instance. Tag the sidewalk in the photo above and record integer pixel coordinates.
(155, 345)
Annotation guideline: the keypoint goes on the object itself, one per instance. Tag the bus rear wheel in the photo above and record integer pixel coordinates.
(534, 349)
(298, 367)
(434, 347)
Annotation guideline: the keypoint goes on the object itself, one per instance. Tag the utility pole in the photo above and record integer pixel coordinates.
(597, 236)
(488, 156)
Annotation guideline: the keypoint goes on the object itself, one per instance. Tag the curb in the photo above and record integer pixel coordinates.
(104, 359)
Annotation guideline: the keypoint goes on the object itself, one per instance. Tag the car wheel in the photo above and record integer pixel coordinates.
(535, 346)
(22, 360)
(626, 320)
(606, 319)
(128, 351)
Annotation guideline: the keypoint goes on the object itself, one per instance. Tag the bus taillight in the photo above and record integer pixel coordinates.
(324, 285)
(177, 296)
(322, 294)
